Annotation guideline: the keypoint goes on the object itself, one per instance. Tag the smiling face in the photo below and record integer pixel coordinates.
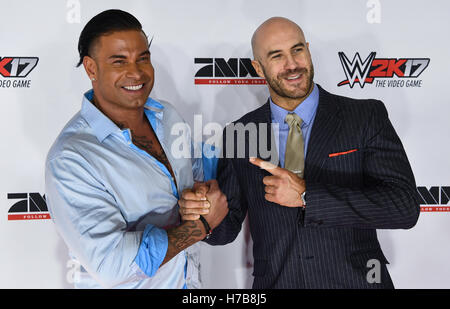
(282, 57)
(122, 70)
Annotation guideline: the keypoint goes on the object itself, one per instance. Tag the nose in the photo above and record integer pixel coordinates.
(291, 63)
(134, 71)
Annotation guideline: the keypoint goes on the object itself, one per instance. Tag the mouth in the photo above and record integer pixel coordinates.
(293, 80)
(133, 87)
(136, 89)
(294, 77)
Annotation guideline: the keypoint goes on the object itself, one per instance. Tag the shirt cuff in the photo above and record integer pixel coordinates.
(152, 250)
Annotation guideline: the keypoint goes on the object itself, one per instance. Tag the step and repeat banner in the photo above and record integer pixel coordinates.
(396, 51)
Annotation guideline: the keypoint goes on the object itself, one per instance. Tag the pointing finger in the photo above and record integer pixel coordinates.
(271, 168)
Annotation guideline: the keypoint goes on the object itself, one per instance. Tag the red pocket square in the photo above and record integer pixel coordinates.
(341, 153)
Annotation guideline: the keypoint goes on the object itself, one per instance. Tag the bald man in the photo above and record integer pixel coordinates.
(342, 173)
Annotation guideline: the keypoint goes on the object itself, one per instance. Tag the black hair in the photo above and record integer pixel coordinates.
(105, 23)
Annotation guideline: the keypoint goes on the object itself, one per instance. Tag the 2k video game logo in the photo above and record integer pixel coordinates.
(234, 71)
(17, 66)
(30, 206)
(365, 72)
(434, 199)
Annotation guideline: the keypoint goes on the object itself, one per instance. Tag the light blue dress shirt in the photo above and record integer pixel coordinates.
(306, 111)
(112, 202)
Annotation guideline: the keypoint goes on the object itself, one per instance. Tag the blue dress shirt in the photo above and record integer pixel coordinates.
(112, 202)
(306, 110)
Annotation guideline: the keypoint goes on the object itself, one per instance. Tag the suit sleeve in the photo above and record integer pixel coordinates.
(387, 200)
(227, 179)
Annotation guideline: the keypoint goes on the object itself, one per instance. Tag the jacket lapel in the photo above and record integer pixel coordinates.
(326, 124)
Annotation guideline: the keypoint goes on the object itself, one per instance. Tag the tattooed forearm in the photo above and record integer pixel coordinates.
(182, 237)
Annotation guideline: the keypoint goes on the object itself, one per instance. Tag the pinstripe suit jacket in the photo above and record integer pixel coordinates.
(348, 197)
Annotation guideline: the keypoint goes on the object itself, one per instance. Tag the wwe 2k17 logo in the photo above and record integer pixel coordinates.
(17, 66)
(365, 72)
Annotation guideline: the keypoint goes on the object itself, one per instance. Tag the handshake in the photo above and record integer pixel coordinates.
(282, 187)
(205, 199)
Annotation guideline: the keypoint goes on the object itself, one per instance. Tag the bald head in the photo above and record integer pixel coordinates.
(282, 58)
(272, 29)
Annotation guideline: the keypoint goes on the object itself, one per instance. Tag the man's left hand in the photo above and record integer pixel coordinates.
(283, 187)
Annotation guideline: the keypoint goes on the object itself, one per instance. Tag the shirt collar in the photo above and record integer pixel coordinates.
(102, 125)
(306, 110)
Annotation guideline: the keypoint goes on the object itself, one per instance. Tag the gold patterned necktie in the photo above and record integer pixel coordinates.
(294, 159)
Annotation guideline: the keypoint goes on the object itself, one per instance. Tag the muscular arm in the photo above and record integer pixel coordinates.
(182, 237)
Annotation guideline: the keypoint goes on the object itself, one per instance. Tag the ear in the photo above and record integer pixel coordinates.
(257, 66)
(90, 67)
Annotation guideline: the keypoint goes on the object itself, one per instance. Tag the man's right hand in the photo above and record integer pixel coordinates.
(205, 199)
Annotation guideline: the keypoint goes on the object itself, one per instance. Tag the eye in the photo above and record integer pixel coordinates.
(118, 62)
(144, 59)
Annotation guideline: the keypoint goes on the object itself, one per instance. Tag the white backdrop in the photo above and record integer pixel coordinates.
(31, 253)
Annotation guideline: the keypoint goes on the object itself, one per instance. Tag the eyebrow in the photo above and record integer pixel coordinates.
(270, 53)
(144, 53)
(298, 45)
